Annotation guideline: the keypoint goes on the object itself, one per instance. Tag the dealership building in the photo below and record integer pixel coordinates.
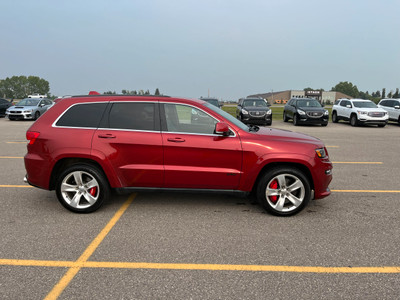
(284, 96)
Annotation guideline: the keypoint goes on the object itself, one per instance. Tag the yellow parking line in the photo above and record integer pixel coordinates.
(366, 191)
(17, 142)
(359, 162)
(332, 146)
(15, 186)
(207, 267)
(66, 279)
(11, 157)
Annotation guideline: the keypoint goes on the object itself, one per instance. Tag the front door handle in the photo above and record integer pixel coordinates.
(176, 140)
(107, 136)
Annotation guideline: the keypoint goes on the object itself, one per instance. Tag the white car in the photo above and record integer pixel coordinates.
(392, 106)
(358, 112)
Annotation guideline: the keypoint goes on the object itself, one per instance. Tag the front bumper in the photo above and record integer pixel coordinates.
(309, 120)
(257, 120)
(20, 116)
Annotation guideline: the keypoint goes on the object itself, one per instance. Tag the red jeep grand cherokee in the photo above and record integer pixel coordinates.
(84, 146)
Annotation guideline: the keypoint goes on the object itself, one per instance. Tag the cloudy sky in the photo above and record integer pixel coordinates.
(228, 48)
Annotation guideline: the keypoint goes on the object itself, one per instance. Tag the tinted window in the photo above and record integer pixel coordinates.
(364, 104)
(83, 115)
(184, 118)
(136, 116)
(308, 103)
(254, 103)
(3, 101)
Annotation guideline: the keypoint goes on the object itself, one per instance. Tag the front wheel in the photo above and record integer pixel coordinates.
(353, 120)
(295, 120)
(37, 115)
(335, 118)
(82, 188)
(285, 118)
(284, 191)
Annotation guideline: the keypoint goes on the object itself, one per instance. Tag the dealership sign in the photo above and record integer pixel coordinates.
(313, 93)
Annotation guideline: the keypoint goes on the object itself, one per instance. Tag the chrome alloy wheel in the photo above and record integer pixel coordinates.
(80, 190)
(285, 192)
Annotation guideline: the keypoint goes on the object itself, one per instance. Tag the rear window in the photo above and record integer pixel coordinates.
(134, 116)
(83, 115)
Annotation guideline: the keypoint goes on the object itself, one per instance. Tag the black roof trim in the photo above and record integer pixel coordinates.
(117, 95)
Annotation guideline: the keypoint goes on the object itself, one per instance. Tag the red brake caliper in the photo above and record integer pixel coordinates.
(274, 186)
(93, 191)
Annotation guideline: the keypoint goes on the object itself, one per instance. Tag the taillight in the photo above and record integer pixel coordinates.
(31, 136)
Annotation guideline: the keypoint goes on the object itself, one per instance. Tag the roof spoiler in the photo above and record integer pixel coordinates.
(94, 93)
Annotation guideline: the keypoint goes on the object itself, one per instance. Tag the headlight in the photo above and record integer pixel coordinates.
(321, 152)
(301, 112)
(269, 112)
(245, 112)
(326, 113)
(28, 111)
(362, 112)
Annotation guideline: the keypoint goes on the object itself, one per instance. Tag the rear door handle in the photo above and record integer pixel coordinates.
(107, 136)
(176, 140)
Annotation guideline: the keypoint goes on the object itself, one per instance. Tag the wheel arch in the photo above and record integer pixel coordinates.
(64, 163)
(301, 167)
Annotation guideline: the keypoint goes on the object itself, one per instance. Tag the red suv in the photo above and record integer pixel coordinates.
(84, 146)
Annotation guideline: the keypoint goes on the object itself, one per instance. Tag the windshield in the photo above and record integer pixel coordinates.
(308, 103)
(254, 103)
(364, 104)
(28, 102)
(227, 116)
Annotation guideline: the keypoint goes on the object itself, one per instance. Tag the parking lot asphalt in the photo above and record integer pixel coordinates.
(207, 246)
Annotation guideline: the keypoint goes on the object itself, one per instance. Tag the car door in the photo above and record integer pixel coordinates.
(195, 157)
(130, 139)
(345, 110)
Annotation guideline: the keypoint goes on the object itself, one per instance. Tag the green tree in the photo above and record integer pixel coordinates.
(21, 86)
(383, 93)
(396, 94)
(347, 88)
(157, 92)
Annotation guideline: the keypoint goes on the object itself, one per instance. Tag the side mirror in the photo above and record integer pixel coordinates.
(397, 107)
(348, 105)
(222, 129)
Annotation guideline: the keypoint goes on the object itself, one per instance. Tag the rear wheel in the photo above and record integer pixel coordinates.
(284, 191)
(82, 188)
(353, 120)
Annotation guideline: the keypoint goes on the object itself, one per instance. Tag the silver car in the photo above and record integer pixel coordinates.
(29, 108)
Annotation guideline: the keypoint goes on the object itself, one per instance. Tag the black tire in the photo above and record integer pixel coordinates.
(282, 201)
(324, 124)
(353, 120)
(37, 115)
(268, 123)
(295, 120)
(285, 118)
(335, 118)
(90, 193)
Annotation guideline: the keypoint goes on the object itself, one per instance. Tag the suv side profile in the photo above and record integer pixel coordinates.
(305, 111)
(89, 145)
(254, 111)
(392, 106)
(359, 112)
